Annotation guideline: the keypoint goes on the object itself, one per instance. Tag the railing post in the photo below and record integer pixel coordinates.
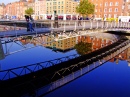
(91, 24)
(69, 23)
(36, 28)
(97, 25)
(107, 25)
(118, 24)
(75, 27)
(51, 27)
(111, 25)
(102, 24)
(83, 25)
(115, 24)
(128, 25)
(64, 27)
(15, 29)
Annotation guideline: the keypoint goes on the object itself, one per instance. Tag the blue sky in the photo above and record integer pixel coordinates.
(7, 1)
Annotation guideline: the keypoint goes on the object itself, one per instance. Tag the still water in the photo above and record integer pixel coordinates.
(30, 50)
(109, 80)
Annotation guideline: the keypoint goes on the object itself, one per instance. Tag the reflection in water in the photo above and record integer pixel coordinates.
(82, 71)
(2, 56)
(37, 49)
(63, 43)
(66, 42)
(83, 48)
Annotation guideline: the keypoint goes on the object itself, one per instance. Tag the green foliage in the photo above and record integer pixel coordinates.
(85, 8)
(83, 48)
(29, 11)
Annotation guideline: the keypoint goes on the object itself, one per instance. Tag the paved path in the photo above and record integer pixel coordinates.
(22, 32)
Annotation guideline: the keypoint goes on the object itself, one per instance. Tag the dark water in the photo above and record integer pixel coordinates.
(36, 52)
(108, 80)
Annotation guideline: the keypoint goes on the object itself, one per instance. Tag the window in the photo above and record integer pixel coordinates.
(99, 16)
(106, 4)
(116, 9)
(109, 15)
(59, 11)
(110, 9)
(116, 4)
(105, 10)
(115, 15)
(100, 10)
(111, 3)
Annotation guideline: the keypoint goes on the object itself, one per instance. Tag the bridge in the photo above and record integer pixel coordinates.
(64, 26)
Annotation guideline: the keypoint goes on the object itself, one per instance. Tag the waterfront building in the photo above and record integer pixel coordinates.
(60, 42)
(111, 8)
(126, 8)
(40, 9)
(65, 9)
(2, 10)
(15, 10)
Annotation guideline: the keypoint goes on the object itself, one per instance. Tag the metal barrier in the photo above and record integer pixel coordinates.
(66, 79)
(19, 71)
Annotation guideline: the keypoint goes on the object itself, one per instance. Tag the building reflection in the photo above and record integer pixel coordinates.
(125, 55)
(58, 42)
(62, 43)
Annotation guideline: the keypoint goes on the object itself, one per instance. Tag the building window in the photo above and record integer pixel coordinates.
(99, 16)
(115, 15)
(100, 10)
(110, 9)
(105, 10)
(59, 11)
(105, 15)
(109, 15)
(111, 3)
(116, 9)
(116, 4)
(106, 4)
(62, 11)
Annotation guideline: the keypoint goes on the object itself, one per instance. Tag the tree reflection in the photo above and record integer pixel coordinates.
(83, 48)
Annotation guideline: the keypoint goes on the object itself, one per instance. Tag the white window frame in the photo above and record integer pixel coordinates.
(111, 3)
(106, 4)
(110, 9)
(116, 3)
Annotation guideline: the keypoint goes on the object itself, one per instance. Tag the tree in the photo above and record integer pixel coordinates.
(85, 8)
(83, 48)
(29, 11)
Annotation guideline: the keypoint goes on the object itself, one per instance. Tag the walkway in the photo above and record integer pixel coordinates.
(67, 26)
